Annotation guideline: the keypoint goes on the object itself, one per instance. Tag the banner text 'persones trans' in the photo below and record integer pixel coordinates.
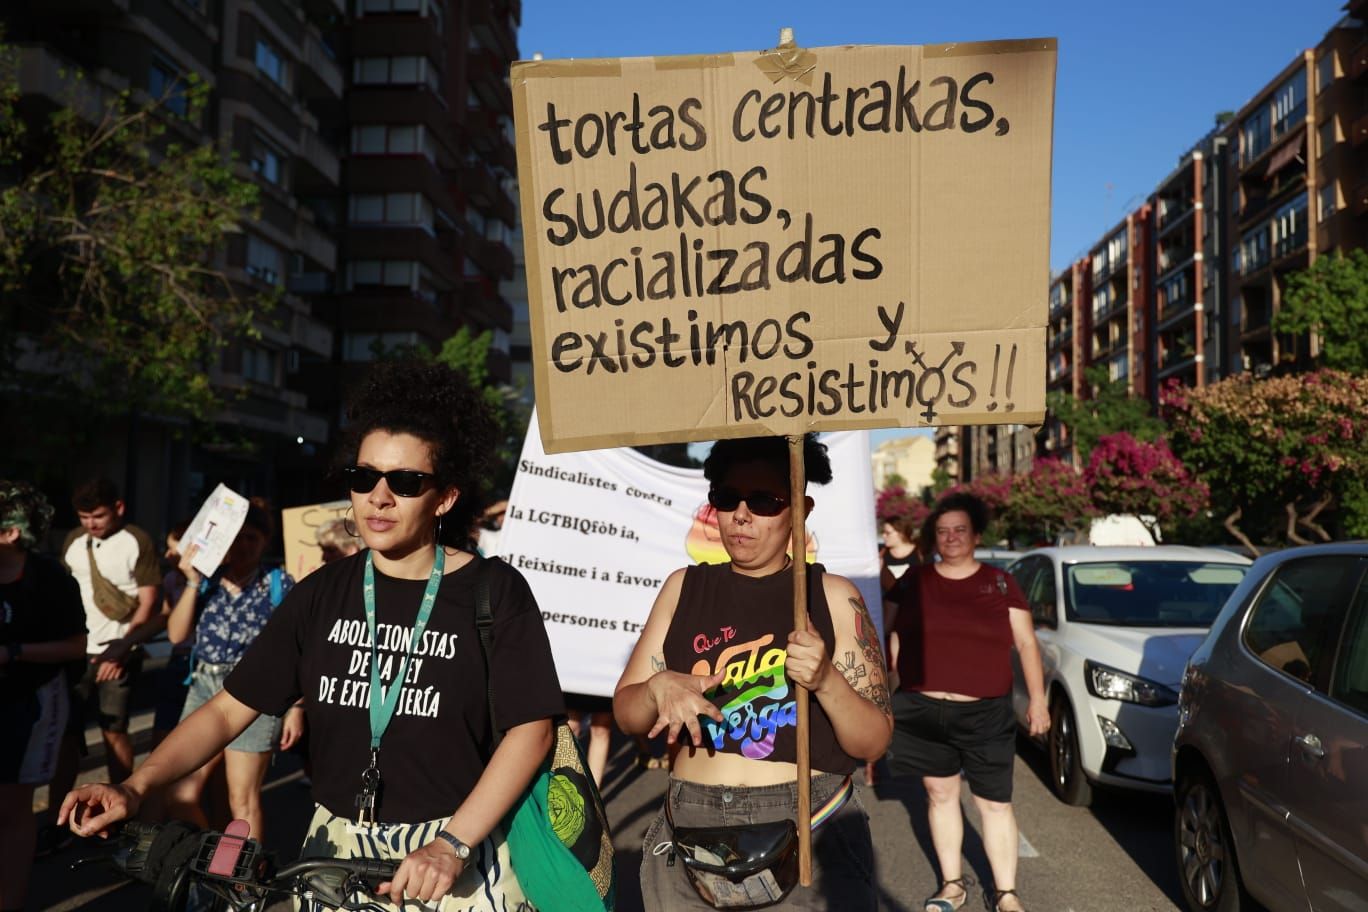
(779, 241)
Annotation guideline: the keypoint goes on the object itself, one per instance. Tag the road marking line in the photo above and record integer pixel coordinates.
(1025, 849)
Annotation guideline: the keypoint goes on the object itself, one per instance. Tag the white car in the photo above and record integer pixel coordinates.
(1116, 627)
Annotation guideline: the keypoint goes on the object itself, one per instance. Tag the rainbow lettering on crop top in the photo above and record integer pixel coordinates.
(756, 694)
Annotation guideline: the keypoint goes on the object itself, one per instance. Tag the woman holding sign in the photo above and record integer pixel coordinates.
(383, 649)
(716, 668)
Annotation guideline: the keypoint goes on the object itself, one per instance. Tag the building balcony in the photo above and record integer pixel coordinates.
(396, 173)
(492, 22)
(1060, 340)
(483, 189)
(493, 257)
(385, 105)
(321, 76)
(1359, 202)
(486, 309)
(316, 246)
(1175, 313)
(1116, 308)
(311, 335)
(399, 310)
(1176, 365)
(1171, 261)
(1358, 130)
(1174, 216)
(488, 77)
(395, 36)
(1291, 245)
(318, 167)
(1357, 64)
(405, 243)
(489, 140)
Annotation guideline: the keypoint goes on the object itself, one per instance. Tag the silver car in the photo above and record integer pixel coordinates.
(1270, 760)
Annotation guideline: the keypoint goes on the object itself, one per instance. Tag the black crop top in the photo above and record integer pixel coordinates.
(728, 622)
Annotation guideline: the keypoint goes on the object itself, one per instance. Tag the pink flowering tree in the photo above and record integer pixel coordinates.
(1282, 456)
(894, 501)
(1053, 498)
(1144, 479)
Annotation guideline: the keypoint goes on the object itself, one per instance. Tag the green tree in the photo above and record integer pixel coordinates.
(1110, 410)
(468, 353)
(109, 220)
(1051, 499)
(1331, 299)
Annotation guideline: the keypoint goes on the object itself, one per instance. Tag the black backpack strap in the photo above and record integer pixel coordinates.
(484, 625)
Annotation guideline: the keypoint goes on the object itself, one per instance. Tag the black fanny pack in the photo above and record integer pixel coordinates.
(750, 866)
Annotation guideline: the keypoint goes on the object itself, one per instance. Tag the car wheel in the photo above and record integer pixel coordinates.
(1067, 779)
(1207, 869)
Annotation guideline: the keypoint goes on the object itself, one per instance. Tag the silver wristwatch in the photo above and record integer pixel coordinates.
(462, 850)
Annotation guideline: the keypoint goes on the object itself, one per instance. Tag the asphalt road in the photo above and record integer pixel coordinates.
(1115, 856)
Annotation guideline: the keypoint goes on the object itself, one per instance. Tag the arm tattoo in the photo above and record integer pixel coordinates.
(867, 638)
(658, 663)
(850, 670)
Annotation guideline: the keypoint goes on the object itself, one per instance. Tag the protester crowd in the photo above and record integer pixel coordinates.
(253, 651)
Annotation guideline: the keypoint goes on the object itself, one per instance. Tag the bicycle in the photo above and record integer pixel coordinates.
(235, 872)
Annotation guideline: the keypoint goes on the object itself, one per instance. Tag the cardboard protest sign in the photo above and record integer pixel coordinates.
(596, 533)
(781, 241)
(214, 527)
(299, 527)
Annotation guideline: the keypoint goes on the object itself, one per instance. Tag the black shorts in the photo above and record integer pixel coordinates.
(946, 737)
(112, 698)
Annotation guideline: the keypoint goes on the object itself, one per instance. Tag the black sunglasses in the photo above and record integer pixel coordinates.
(403, 482)
(761, 503)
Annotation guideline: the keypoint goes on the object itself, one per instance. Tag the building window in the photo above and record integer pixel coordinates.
(268, 160)
(1289, 226)
(1329, 201)
(164, 83)
(1289, 104)
(260, 365)
(384, 273)
(1327, 135)
(270, 62)
(392, 209)
(1325, 71)
(1253, 250)
(371, 7)
(395, 71)
(265, 260)
(395, 139)
(1254, 135)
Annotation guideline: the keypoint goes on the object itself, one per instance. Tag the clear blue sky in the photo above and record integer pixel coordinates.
(1138, 83)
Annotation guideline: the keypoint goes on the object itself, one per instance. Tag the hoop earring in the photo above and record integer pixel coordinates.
(348, 524)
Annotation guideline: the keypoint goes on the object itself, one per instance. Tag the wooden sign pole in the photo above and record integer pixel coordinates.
(798, 514)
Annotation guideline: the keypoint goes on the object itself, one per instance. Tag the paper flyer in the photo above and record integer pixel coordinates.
(214, 527)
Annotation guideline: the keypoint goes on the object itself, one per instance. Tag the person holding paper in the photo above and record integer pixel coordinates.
(716, 667)
(956, 625)
(383, 649)
(223, 614)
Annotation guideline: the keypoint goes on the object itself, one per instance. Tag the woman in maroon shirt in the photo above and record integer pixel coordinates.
(956, 623)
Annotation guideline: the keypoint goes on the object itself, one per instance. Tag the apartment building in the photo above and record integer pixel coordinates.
(1118, 317)
(1190, 299)
(276, 88)
(380, 135)
(1066, 336)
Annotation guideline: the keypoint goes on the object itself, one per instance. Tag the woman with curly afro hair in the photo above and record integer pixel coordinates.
(382, 649)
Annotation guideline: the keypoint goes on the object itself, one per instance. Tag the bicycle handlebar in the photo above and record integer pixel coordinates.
(170, 856)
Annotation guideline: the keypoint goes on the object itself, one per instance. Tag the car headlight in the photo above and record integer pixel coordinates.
(1109, 684)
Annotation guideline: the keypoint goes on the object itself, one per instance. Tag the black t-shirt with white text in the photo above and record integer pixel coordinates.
(42, 605)
(316, 645)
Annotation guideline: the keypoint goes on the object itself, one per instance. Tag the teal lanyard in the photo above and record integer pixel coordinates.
(382, 707)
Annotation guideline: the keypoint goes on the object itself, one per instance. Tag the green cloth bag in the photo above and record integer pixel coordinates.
(558, 834)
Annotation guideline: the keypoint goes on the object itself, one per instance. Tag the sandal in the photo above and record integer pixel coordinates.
(992, 898)
(945, 903)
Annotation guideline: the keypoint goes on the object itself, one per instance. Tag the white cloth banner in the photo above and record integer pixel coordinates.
(597, 532)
